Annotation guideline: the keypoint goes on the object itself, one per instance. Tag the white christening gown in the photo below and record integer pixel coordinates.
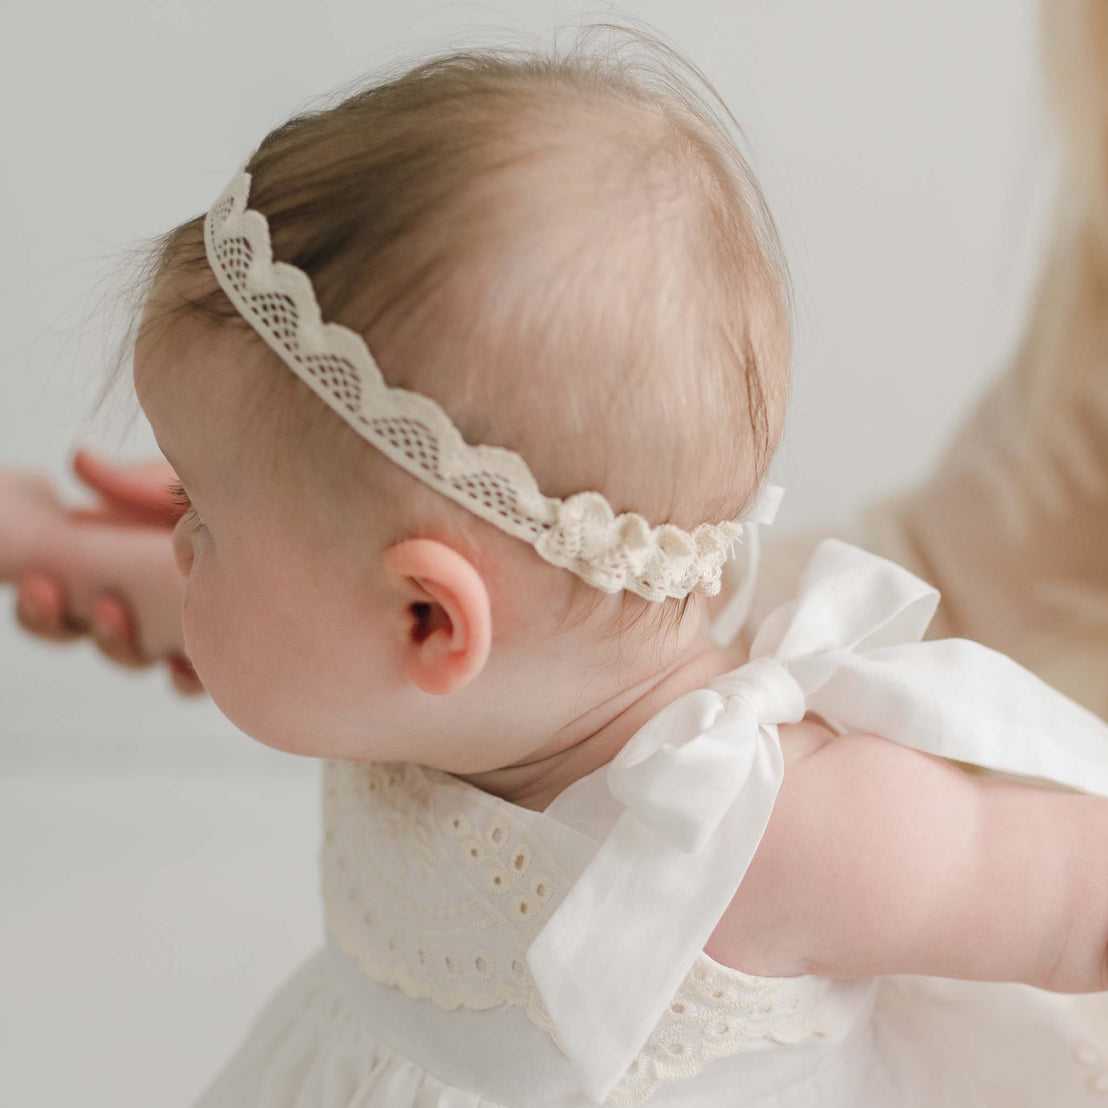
(483, 955)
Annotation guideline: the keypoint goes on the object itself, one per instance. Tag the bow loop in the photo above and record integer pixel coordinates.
(684, 770)
(847, 600)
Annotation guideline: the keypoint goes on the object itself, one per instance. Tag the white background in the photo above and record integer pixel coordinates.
(156, 867)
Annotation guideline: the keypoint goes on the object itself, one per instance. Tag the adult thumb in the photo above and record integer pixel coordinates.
(138, 491)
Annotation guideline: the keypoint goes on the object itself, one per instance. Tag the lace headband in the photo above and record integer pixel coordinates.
(581, 533)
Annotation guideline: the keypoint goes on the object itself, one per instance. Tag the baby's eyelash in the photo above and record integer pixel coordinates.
(178, 495)
(181, 498)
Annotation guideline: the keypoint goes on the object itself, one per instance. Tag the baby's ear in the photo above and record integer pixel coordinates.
(447, 620)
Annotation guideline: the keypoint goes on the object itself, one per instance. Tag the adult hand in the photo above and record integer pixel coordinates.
(129, 493)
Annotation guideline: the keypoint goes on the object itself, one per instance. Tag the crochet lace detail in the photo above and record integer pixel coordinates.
(438, 889)
(581, 533)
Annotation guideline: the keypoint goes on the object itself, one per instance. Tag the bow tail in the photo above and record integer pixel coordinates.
(605, 970)
(959, 699)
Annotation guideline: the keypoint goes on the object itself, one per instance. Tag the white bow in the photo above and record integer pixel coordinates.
(699, 780)
(683, 792)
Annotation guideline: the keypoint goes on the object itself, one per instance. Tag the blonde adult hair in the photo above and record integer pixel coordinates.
(1067, 336)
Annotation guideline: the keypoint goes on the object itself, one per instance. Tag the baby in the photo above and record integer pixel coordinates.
(467, 547)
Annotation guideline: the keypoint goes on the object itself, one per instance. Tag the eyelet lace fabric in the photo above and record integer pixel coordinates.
(435, 896)
(581, 533)
(436, 888)
(1091, 1050)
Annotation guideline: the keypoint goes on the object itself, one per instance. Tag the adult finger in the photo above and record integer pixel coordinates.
(136, 489)
(113, 629)
(184, 676)
(40, 608)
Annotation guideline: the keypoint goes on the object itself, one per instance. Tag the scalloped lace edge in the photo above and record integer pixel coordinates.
(581, 534)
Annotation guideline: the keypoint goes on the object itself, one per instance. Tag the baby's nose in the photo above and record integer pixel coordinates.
(183, 548)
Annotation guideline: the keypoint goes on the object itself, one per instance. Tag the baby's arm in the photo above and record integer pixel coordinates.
(881, 859)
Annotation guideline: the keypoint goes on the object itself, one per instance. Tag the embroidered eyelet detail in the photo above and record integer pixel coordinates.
(1087, 1054)
(498, 881)
(473, 852)
(457, 888)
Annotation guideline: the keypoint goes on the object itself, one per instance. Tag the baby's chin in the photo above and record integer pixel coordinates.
(263, 721)
(278, 736)
(304, 734)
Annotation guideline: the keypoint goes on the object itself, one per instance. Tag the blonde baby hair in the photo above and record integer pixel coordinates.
(568, 252)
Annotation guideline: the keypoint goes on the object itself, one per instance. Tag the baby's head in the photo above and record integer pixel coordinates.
(572, 259)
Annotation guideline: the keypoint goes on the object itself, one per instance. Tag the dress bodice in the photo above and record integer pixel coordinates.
(437, 889)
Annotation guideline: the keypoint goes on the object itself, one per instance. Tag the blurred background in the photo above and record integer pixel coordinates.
(157, 872)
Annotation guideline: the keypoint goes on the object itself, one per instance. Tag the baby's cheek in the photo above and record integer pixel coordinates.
(245, 663)
(201, 639)
(294, 673)
(213, 629)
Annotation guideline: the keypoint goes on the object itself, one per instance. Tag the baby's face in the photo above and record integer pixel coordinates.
(277, 617)
(296, 628)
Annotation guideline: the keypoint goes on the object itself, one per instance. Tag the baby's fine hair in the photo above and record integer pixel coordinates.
(566, 249)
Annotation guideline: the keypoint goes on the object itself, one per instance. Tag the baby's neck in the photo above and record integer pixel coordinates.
(593, 739)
